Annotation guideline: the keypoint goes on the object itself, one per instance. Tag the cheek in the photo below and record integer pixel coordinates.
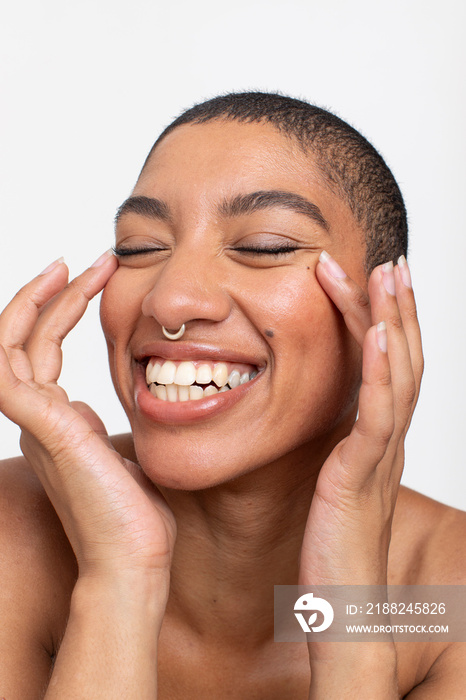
(316, 361)
(119, 307)
(294, 307)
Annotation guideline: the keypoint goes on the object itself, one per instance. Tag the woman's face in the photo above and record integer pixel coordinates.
(209, 262)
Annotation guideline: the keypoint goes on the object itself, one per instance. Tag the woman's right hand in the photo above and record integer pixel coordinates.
(116, 520)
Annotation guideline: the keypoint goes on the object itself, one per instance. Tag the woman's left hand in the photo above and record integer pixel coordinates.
(348, 531)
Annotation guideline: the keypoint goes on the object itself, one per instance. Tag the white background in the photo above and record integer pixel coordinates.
(87, 86)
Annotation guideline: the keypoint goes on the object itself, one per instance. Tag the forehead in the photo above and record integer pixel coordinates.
(228, 156)
(199, 165)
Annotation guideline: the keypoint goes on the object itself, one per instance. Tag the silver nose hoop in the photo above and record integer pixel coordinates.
(176, 335)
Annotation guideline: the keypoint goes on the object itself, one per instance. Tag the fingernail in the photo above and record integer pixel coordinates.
(382, 336)
(331, 265)
(103, 258)
(52, 266)
(404, 271)
(388, 278)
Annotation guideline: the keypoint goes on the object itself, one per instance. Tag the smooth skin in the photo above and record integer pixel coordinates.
(140, 611)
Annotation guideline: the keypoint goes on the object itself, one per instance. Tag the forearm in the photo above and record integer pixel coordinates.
(354, 670)
(109, 649)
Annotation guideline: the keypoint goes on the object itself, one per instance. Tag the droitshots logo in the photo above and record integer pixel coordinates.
(310, 604)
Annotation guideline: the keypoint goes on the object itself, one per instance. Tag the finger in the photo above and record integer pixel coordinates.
(49, 427)
(347, 296)
(61, 315)
(408, 312)
(21, 403)
(367, 443)
(384, 305)
(20, 316)
(94, 421)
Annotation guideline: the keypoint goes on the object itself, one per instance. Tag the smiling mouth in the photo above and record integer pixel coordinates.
(174, 381)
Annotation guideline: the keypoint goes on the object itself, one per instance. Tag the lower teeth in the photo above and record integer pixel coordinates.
(175, 392)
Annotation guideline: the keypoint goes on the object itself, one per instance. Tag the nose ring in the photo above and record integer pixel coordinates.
(173, 336)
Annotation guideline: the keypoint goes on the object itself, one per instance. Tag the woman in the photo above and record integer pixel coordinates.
(239, 319)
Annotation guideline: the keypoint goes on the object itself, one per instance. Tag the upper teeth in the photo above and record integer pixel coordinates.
(185, 374)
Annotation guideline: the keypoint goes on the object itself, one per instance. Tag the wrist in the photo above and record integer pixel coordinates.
(343, 671)
(131, 595)
(111, 638)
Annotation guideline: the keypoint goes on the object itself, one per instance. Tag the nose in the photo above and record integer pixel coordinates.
(188, 287)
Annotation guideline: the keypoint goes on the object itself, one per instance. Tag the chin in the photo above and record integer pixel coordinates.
(187, 462)
(193, 459)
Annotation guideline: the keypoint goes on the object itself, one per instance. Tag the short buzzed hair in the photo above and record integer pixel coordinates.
(350, 165)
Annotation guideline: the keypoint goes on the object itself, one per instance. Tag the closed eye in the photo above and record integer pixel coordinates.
(122, 252)
(260, 250)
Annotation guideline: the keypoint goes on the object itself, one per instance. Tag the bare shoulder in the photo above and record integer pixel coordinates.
(428, 542)
(428, 549)
(38, 574)
(31, 534)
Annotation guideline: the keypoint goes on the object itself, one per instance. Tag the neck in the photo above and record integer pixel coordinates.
(235, 542)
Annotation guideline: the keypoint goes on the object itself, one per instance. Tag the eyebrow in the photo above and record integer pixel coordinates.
(268, 199)
(240, 205)
(144, 206)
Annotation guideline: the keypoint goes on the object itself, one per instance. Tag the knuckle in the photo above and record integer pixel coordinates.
(27, 297)
(395, 322)
(385, 379)
(77, 288)
(347, 464)
(72, 287)
(407, 395)
(410, 312)
(360, 299)
(379, 434)
(22, 294)
(385, 433)
(52, 334)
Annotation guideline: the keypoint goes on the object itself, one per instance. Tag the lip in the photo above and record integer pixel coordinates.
(195, 351)
(185, 412)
